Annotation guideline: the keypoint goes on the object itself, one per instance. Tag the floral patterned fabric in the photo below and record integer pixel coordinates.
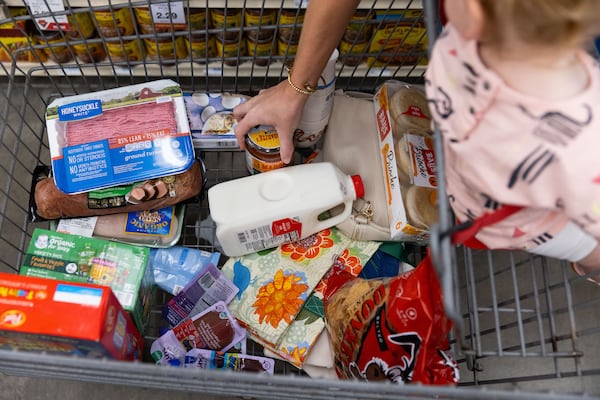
(276, 284)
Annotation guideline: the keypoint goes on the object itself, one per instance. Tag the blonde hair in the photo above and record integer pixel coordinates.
(560, 23)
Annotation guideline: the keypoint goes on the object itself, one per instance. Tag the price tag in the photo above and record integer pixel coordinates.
(49, 23)
(167, 13)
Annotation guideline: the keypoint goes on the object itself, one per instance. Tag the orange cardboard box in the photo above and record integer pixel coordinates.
(39, 314)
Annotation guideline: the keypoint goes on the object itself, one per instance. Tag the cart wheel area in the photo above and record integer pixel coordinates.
(526, 326)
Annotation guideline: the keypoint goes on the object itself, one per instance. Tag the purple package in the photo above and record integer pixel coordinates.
(207, 288)
(213, 329)
(210, 359)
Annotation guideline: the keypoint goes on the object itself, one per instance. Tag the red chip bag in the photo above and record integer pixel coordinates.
(390, 329)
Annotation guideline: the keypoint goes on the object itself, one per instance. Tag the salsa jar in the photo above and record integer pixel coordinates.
(262, 150)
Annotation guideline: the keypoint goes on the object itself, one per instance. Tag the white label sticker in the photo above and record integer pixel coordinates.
(77, 226)
(167, 13)
(50, 22)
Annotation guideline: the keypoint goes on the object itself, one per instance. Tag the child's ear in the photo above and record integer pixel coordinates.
(475, 19)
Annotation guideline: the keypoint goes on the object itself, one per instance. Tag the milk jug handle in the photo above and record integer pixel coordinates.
(337, 219)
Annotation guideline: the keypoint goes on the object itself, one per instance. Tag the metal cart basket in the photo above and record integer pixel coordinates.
(527, 327)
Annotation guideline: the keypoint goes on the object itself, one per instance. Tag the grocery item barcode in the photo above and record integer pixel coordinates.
(207, 281)
(256, 234)
(275, 241)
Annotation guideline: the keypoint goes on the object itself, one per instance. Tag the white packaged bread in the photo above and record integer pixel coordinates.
(409, 110)
(421, 206)
(403, 158)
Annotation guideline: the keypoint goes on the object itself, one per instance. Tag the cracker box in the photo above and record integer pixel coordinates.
(422, 160)
(118, 136)
(38, 314)
(74, 258)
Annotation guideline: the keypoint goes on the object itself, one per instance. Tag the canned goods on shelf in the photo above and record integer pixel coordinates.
(230, 46)
(226, 17)
(257, 18)
(143, 16)
(359, 29)
(287, 49)
(57, 49)
(167, 51)
(126, 50)
(261, 49)
(200, 47)
(294, 17)
(82, 26)
(262, 151)
(197, 19)
(114, 22)
(351, 52)
(89, 52)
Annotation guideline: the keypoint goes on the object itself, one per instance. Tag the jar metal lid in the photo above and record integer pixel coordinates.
(263, 140)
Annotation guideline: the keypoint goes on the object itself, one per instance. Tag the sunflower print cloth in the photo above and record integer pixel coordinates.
(275, 284)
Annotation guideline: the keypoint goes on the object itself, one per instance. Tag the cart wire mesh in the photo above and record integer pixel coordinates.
(526, 325)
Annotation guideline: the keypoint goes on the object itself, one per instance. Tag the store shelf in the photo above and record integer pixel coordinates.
(190, 69)
(376, 4)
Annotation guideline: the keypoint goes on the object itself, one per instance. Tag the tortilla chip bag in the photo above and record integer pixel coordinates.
(390, 328)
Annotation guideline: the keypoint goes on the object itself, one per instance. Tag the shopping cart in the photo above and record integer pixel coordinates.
(526, 326)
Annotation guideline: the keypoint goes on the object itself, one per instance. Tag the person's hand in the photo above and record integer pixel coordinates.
(280, 107)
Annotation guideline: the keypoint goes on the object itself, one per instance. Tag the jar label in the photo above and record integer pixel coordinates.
(110, 24)
(264, 139)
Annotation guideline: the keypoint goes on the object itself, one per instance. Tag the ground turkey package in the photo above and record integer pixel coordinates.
(116, 136)
(390, 329)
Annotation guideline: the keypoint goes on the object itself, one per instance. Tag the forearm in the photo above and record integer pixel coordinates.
(324, 25)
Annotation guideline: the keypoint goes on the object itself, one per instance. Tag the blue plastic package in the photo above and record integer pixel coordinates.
(174, 267)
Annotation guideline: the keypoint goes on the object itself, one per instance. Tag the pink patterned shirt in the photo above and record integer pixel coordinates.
(504, 147)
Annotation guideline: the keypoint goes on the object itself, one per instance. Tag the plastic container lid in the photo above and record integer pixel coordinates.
(359, 187)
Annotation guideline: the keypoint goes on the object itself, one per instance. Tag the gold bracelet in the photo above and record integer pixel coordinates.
(308, 90)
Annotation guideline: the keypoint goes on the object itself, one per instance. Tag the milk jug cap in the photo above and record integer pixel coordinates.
(359, 188)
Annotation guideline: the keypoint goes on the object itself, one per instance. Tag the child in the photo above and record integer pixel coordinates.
(517, 101)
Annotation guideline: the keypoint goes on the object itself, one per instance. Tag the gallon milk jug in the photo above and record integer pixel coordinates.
(266, 210)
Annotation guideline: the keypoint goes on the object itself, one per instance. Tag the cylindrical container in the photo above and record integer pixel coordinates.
(82, 26)
(262, 151)
(288, 50)
(290, 22)
(229, 47)
(309, 134)
(90, 52)
(59, 54)
(260, 49)
(351, 53)
(127, 51)
(143, 16)
(359, 28)
(201, 47)
(197, 19)
(166, 50)
(257, 18)
(317, 109)
(115, 22)
(223, 18)
(266, 210)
